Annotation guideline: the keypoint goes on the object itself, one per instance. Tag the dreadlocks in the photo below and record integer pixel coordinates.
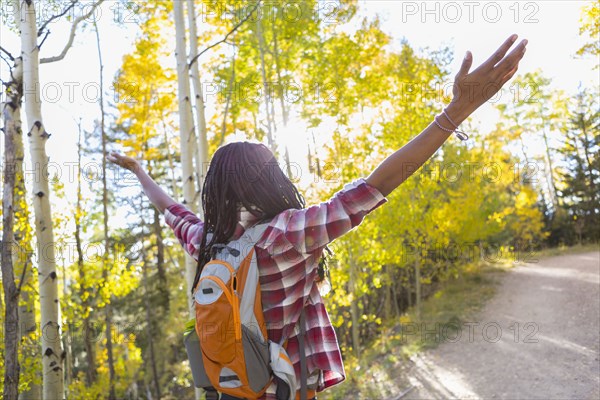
(247, 174)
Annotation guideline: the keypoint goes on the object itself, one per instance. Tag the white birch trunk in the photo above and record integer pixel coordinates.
(187, 141)
(21, 255)
(52, 354)
(270, 117)
(186, 132)
(202, 146)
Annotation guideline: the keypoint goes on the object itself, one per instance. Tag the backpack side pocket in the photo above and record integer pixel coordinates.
(194, 353)
(256, 355)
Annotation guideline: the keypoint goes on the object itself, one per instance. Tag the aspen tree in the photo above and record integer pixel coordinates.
(52, 353)
(201, 149)
(186, 132)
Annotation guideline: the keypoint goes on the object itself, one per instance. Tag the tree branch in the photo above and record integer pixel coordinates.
(6, 61)
(44, 39)
(10, 56)
(228, 102)
(71, 35)
(22, 278)
(39, 33)
(235, 28)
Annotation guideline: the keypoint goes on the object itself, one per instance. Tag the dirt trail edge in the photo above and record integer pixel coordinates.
(538, 338)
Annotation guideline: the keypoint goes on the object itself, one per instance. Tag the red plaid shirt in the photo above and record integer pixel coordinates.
(288, 254)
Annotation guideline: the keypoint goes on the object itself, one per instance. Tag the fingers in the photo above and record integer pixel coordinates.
(510, 74)
(510, 62)
(112, 156)
(115, 155)
(466, 65)
(115, 158)
(499, 54)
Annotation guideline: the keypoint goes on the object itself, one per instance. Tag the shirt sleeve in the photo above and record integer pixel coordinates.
(294, 241)
(311, 229)
(186, 226)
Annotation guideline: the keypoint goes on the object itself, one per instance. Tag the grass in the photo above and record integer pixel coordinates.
(457, 301)
(560, 250)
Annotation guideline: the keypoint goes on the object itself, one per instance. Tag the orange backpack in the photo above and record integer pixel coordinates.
(228, 347)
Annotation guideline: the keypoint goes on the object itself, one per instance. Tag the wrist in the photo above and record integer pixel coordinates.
(457, 112)
(137, 170)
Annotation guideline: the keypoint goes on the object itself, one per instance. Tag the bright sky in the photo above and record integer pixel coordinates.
(70, 87)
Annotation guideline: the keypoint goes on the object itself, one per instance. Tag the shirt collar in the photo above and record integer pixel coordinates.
(245, 220)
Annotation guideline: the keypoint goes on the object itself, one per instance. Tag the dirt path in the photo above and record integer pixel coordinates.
(555, 355)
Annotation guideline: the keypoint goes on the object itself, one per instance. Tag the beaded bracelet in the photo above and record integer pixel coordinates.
(449, 119)
(460, 134)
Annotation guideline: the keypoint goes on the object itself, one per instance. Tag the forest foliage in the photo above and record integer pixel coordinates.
(492, 197)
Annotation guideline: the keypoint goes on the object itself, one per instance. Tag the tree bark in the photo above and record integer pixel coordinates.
(418, 286)
(21, 251)
(318, 162)
(149, 317)
(52, 354)
(202, 145)
(10, 113)
(90, 371)
(187, 143)
(280, 94)
(21, 257)
(22, 265)
(163, 287)
(170, 159)
(552, 184)
(263, 71)
(230, 92)
(397, 309)
(354, 307)
(105, 258)
(67, 339)
(186, 131)
(587, 159)
(388, 293)
(409, 289)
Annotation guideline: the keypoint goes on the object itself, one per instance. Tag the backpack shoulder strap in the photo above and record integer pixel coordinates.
(234, 248)
(255, 232)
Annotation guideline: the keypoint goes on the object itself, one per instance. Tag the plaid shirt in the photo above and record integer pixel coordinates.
(287, 255)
